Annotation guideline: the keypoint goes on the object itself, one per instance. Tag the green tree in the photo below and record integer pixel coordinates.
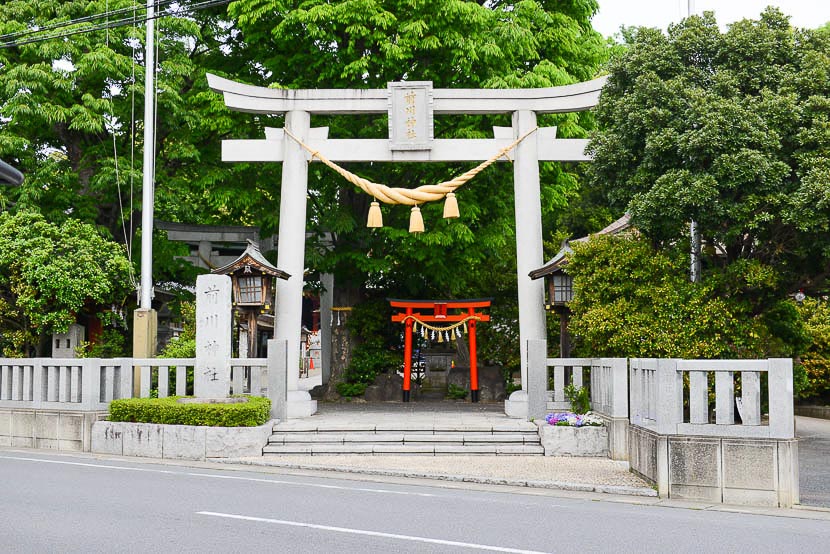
(453, 43)
(633, 300)
(71, 118)
(50, 273)
(730, 130)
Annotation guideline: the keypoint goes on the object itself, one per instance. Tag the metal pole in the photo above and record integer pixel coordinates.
(146, 289)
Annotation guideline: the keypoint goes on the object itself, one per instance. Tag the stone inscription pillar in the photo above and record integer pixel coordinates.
(212, 376)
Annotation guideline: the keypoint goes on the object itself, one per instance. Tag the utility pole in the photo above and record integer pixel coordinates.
(694, 231)
(145, 319)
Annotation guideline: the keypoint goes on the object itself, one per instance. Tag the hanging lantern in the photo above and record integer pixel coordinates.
(450, 206)
(416, 222)
(375, 218)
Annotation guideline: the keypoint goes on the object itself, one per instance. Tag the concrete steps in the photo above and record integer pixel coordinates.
(305, 437)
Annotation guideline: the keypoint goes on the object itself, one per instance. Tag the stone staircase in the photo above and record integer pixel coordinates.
(380, 434)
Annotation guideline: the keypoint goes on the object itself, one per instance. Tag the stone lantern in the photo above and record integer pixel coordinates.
(560, 293)
(252, 280)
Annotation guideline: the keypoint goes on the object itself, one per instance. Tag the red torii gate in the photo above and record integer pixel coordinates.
(435, 311)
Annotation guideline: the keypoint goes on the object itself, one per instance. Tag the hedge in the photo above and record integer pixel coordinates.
(256, 411)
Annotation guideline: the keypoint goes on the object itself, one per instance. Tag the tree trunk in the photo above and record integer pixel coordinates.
(342, 341)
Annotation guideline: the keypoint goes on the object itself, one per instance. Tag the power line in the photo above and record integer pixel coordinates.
(85, 19)
(113, 24)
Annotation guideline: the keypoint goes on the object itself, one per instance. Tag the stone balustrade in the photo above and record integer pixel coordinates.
(686, 439)
(53, 402)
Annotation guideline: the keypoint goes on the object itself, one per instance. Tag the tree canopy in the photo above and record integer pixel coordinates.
(50, 273)
(729, 129)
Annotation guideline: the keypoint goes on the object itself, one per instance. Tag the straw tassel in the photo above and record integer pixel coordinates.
(450, 206)
(416, 222)
(375, 218)
(440, 337)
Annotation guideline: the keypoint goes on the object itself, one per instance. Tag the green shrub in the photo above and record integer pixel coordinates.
(454, 392)
(256, 411)
(580, 399)
(349, 390)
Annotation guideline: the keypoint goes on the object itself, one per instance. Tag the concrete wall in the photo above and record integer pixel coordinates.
(178, 442)
(50, 429)
(759, 472)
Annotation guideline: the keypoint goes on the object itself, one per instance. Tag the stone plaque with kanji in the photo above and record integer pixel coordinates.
(410, 115)
(213, 336)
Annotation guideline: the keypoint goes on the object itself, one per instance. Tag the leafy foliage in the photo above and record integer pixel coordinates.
(183, 346)
(580, 399)
(51, 272)
(727, 129)
(374, 353)
(633, 300)
(251, 413)
(815, 360)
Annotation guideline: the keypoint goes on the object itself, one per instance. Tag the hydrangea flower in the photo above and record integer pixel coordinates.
(573, 420)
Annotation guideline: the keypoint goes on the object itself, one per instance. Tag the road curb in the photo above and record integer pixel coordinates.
(530, 483)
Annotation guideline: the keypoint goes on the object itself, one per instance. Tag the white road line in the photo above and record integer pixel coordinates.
(372, 533)
(211, 476)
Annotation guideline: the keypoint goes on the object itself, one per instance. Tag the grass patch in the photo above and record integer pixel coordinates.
(256, 411)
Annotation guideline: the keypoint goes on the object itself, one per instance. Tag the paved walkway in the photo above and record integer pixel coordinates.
(814, 460)
(580, 474)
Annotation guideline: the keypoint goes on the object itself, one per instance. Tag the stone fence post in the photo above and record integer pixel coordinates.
(278, 378)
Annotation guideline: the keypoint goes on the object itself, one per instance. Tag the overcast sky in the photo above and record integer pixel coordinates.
(659, 13)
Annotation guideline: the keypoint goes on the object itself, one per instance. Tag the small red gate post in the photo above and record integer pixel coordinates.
(407, 356)
(474, 392)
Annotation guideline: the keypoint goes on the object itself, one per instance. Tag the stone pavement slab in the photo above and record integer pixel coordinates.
(578, 474)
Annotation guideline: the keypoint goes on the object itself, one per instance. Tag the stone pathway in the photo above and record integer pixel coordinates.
(813, 460)
(581, 474)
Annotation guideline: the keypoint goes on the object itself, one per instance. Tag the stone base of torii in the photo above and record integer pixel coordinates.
(411, 140)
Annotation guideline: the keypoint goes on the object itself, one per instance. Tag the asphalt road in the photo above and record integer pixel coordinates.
(813, 460)
(62, 503)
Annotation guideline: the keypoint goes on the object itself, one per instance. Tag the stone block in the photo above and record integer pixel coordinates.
(47, 444)
(5, 440)
(5, 423)
(142, 439)
(23, 424)
(237, 442)
(574, 441)
(695, 492)
(107, 438)
(516, 405)
(694, 462)
(23, 442)
(749, 465)
(749, 497)
(183, 442)
(46, 425)
(385, 388)
(71, 426)
(490, 382)
(70, 445)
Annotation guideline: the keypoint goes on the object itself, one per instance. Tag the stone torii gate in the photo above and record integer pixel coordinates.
(410, 107)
